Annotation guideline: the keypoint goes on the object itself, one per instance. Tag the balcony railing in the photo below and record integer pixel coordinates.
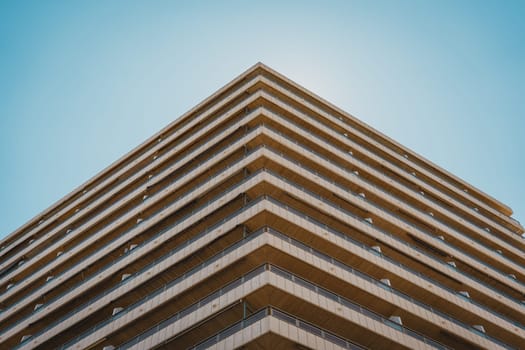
(227, 218)
(383, 192)
(296, 244)
(142, 223)
(280, 315)
(188, 215)
(494, 212)
(363, 165)
(100, 215)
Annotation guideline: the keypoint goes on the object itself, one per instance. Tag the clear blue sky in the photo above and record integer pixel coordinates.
(81, 83)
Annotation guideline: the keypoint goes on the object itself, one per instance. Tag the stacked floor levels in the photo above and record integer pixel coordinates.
(266, 218)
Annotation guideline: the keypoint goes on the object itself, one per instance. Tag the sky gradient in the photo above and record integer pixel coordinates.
(82, 83)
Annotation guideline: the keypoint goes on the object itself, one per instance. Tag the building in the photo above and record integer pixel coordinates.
(267, 218)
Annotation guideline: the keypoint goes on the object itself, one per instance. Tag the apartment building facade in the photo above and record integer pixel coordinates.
(267, 218)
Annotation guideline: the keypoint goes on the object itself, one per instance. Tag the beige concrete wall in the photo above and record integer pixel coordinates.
(475, 246)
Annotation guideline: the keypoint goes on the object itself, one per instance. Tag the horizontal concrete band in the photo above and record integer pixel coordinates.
(112, 297)
(277, 243)
(356, 147)
(504, 279)
(130, 160)
(271, 83)
(142, 172)
(398, 157)
(267, 278)
(132, 213)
